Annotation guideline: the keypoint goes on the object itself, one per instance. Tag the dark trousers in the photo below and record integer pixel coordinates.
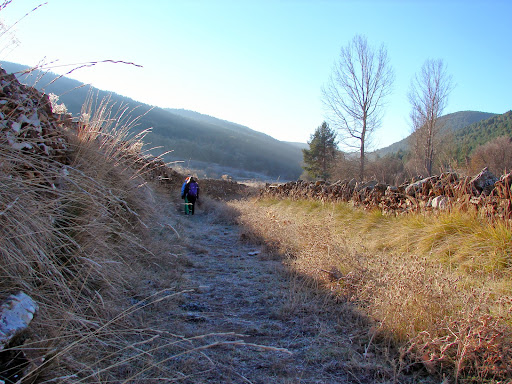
(190, 203)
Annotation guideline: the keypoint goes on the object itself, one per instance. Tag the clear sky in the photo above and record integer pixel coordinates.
(262, 63)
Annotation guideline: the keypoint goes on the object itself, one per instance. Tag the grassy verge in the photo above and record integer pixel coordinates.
(438, 285)
(79, 234)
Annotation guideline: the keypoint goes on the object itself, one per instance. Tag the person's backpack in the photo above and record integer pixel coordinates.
(192, 189)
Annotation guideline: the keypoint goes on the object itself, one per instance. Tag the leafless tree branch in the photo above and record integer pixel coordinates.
(428, 96)
(354, 95)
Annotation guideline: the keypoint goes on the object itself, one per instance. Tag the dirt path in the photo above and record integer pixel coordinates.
(238, 293)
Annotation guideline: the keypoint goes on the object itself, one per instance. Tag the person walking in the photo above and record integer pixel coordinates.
(190, 193)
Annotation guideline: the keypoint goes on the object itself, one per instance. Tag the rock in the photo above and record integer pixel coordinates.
(370, 185)
(16, 313)
(391, 189)
(380, 187)
(422, 186)
(26, 120)
(484, 181)
(440, 202)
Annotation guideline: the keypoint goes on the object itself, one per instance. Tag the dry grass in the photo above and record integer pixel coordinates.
(82, 239)
(439, 286)
(218, 211)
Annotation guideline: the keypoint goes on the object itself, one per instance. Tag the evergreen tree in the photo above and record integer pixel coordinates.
(319, 158)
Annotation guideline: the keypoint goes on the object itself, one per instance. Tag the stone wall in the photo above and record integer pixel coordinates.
(484, 192)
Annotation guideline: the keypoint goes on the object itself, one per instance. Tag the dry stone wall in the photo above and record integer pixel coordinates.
(484, 192)
(27, 122)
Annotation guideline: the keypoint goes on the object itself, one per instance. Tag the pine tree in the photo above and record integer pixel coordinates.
(319, 158)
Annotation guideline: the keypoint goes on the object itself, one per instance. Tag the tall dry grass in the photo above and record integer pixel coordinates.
(81, 237)
(439, 286)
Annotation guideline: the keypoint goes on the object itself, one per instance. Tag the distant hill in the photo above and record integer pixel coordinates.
(452, 122)
(213, 145)
(299, 145)
(213, 120)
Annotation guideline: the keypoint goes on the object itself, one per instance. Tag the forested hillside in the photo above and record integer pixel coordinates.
(211, 145)
(482, 132)
(463, 137)
(452, 122)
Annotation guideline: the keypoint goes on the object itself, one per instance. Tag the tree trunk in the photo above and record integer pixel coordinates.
(362, 149)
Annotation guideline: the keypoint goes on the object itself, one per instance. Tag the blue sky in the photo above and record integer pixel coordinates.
(263, 63)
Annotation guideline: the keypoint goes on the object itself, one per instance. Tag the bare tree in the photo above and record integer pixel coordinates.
(495, 154)
(355, 92)
(428, 95)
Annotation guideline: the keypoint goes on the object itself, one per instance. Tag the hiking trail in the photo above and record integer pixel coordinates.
(261, 323)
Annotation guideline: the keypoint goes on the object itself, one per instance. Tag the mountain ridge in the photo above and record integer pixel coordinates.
(214, 146)
(188, 137)
(452, 122)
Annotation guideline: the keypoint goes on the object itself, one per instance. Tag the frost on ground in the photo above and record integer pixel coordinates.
(247, 319)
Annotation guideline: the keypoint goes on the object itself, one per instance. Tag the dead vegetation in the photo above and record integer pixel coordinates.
(79, 234)
(437, 286)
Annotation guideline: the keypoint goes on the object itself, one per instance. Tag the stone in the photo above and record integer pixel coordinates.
(484, 181)
(440, 202)
(16, 313)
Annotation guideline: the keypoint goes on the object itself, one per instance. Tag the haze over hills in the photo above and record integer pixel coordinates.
(226, 124)
(214, 146)
(298, 145)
